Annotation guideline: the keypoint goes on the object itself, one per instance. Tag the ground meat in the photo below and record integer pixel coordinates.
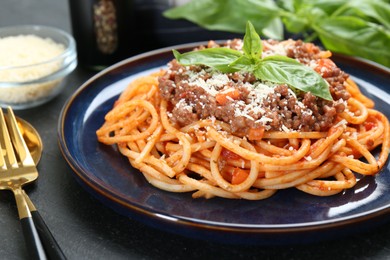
(193, 90)
(308, 52)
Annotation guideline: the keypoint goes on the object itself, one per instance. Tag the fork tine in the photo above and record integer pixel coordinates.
(18, 141)
(6, 142)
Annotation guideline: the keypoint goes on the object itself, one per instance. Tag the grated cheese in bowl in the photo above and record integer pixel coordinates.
(34, 60)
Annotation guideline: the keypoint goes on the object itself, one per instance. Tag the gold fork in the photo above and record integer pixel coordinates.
(17, 168)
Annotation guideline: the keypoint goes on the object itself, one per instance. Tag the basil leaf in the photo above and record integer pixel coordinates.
(284, 70)
(354, 36)
(294, 14)
(368, 10)
(252, 43)
(327, 6)
(218, 58)
(243, 63)
(294, 23)
(231, 15)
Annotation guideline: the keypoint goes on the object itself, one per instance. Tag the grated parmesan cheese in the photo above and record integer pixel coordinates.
(308, 158)
(17, 53)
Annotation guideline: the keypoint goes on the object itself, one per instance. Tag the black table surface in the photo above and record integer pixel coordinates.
(86, 229)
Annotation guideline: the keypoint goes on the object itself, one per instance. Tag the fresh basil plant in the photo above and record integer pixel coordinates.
(353, 27)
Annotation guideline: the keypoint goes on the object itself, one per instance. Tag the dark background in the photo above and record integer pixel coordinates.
(85, 228)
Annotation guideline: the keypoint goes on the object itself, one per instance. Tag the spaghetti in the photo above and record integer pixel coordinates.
(241, 154)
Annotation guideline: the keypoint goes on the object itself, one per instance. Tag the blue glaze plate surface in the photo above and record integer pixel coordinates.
(287, 217)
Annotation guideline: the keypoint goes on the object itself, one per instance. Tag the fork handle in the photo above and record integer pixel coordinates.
(52, 248)
(50, 244)
(33, 242)
(31, 237)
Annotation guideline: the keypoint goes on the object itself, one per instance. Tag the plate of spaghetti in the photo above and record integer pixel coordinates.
(230, 150)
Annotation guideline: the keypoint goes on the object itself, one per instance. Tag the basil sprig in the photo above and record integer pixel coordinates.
(277, 69)
(353, 27)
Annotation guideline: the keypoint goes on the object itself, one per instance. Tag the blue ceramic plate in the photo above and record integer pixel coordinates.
(287, 217)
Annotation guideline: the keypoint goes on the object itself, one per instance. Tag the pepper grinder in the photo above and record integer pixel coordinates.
(102, 30)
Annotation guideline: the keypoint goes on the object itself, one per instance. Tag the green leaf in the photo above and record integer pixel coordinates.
(295, 23)
(354, 36)
(252, 43)
(294, 15)
(273, 29)
(218, 58)
(231, 15)
(328, 6)
(287, 5)
(302, 16)
(284, 70)
(376, 11)
(243, 63)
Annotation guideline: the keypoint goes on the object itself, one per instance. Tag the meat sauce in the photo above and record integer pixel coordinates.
(239, 99)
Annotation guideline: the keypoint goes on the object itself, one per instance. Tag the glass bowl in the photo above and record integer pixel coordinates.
(36, 73)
